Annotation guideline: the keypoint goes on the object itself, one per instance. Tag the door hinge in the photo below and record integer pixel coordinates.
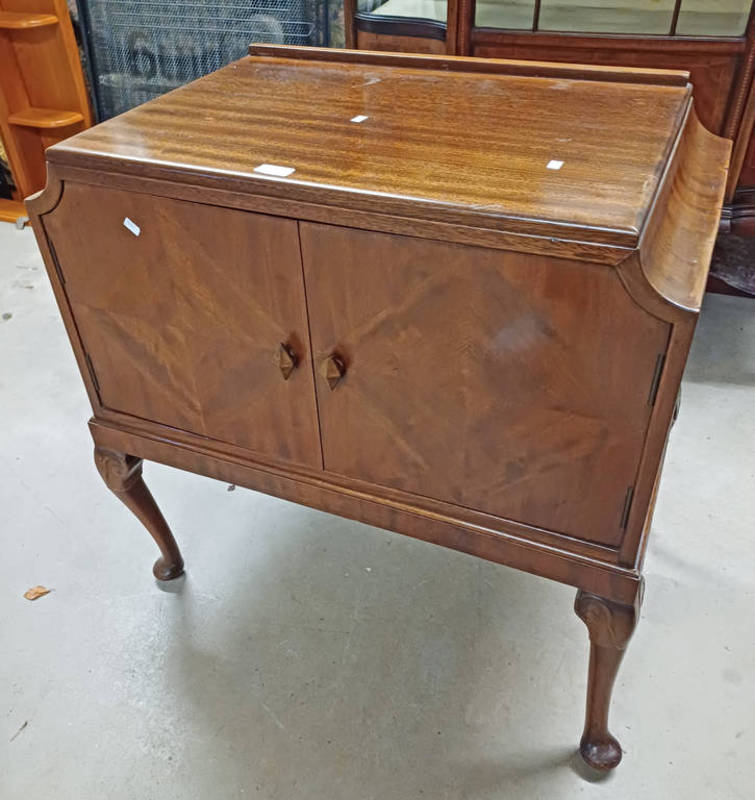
(93, 375)
(656, 382)
(627, 507)
(56, 263)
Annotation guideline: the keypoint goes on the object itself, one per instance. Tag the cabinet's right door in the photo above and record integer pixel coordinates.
(513, 384)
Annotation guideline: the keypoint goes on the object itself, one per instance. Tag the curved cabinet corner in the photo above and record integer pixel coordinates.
(45, 200)
(677, 242)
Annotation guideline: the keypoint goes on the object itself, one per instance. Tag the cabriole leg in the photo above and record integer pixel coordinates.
(123, 476)
(610, 626)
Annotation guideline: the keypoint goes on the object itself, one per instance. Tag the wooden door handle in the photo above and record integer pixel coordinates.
(333, 369)
(287, 360)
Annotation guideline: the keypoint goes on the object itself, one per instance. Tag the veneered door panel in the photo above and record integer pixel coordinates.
(182, 308)
(509, 383)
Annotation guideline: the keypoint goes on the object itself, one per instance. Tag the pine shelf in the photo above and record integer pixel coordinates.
(44, 118)
(16, 20)
(43, 96)
(11, 210)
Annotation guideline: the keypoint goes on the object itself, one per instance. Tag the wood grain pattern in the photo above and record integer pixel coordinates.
(721, 70)
(432, 509)
(226, 289)
(366, 40)
(681, 237)
(11, 211)
(43, 98)
(226, 191)
(375, 507)
(426, 363)
(667, 276)
(19, 20)
(45, 118)
(472, 378)
(712, 71)
(422, 164)
(499, 66)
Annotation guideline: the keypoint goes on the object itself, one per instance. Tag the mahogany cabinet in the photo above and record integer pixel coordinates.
(714, 41)
(311, 274)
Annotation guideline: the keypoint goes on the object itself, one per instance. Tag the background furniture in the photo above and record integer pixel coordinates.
(312, 274)
(713, 39)
(43, 98)
(140, 49)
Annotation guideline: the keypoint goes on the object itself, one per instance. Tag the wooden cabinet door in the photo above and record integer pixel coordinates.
(182, 308)
(513, 384)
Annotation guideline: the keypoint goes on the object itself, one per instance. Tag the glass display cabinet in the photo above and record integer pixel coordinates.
(713, 39)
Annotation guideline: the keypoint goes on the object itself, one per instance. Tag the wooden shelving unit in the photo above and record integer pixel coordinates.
(45, 118)
(11, 210)
(17, 20)
(43, 97)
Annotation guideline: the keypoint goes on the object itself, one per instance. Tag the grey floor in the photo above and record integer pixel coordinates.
(305, 656)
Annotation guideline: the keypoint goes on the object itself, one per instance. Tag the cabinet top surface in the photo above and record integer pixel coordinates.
(454, 144)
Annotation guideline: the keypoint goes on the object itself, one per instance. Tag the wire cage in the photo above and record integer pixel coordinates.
(139, 49)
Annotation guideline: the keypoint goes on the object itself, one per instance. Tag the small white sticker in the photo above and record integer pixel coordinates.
(555, 164)
(358, 118)
(274, 169)
(130, 225)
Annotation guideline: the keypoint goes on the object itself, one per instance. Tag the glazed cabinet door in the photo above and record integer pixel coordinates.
(516, 385)
(191, 315)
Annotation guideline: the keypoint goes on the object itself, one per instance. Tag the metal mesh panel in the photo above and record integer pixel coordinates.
(139, 50)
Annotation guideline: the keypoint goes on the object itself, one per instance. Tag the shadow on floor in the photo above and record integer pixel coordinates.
(406, 691)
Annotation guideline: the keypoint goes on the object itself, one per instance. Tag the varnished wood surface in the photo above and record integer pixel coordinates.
(393, 498)
(712, 67)
(43, 98)
(122, 474)
(45, 118)
(680, 238)
(631, 274)
(413, 154)
(430, 374)
(228, 192)
(474, 376)
(720, 68)
(11, 211)
(21, 20)
(399, 44)
(499, 66)
(397, 514)
(183, 323)
(610, 627)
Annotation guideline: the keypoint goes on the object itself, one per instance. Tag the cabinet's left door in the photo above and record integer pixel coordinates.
(192, 315)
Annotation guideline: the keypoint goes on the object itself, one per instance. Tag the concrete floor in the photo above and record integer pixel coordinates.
(305, 656)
